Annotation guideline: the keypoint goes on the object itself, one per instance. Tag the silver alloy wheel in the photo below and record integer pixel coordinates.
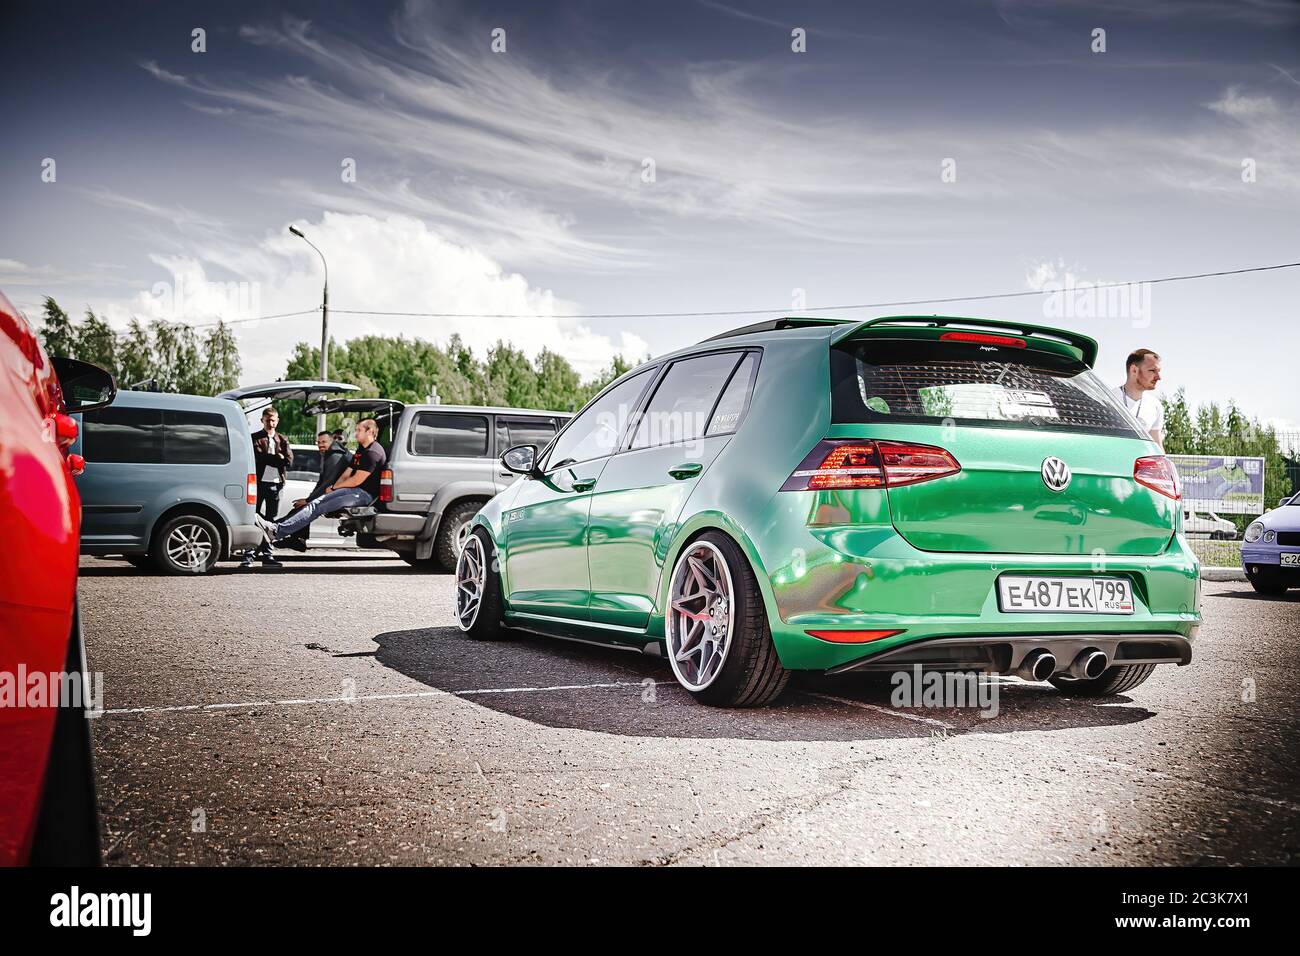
(471, 582)
(701, 615)
(190, 546)
(462, 534)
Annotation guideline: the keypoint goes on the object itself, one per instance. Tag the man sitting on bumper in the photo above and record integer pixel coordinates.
(358, 485)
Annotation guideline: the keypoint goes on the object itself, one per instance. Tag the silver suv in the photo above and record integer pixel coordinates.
(443, 465)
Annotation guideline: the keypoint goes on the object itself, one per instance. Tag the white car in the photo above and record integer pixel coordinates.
(1196, 525)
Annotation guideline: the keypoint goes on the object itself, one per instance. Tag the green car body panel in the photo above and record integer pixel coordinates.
(586, 550)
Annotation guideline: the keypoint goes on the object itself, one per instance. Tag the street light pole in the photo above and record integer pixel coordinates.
(324, 319)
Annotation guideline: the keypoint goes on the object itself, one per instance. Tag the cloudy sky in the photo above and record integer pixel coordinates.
(666, 157)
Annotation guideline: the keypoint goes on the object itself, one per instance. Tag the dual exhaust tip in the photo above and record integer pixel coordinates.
(1040, 665)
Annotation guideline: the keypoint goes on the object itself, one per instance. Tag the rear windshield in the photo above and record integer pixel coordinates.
(934, 382)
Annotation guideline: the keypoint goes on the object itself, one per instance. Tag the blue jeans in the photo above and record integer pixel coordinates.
(330, 501)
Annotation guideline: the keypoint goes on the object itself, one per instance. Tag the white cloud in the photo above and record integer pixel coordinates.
(1242, 106)
(395, 263)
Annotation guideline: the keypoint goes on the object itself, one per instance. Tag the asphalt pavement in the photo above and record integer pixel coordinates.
(331, 713)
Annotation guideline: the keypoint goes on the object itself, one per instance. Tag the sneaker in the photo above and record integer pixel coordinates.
(270, 562)
(248, 560)
(268, 529)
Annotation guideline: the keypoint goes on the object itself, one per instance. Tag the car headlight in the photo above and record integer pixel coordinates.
(1255, 531)
(1269, 536)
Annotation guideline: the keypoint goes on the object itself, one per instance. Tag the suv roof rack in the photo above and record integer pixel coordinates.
(776, 325)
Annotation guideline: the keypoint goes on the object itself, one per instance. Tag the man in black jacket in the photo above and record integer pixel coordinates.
(334, 457)
(273, 457)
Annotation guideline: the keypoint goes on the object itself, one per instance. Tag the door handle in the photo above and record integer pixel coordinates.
(584, 484)
(687, 469)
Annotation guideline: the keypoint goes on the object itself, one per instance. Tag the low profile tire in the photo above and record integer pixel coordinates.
(719, 644)
(453, 533)
(478, 588)
(1113, 680)
(67, 829)
(186, 544)
(1267, 584)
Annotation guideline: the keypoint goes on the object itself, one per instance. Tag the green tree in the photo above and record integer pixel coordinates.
(510, 377)
(221, 358)
(135, 354)
(1180, 435)
(558, 385)
(97, 342)
(57, 334)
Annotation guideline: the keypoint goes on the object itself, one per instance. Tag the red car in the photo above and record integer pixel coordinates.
(47, 788)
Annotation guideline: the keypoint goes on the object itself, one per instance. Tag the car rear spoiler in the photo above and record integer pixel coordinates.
(1081, 347)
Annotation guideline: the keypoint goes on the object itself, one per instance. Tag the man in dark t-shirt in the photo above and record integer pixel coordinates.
(357, 485)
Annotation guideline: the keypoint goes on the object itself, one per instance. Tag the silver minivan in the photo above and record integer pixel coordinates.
(443, 465)
(172, 483)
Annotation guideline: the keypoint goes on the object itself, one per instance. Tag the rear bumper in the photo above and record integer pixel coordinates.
(1002, 655)
(244, 536)
(379, 529)
(874, 580)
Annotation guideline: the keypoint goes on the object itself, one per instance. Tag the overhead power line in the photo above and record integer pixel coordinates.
(783, 310)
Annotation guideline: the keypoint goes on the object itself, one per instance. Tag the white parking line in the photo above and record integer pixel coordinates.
(358, 698)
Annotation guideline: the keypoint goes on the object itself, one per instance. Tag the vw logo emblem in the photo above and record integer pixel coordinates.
(1056, 474)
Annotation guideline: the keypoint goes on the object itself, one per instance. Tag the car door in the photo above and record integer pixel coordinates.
(514, 430)
(545, 529)
(692, 413)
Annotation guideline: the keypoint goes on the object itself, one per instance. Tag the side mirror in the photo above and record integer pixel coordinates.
(521, 459)
(84, 386)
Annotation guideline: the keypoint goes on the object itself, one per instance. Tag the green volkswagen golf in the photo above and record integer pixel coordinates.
(833, 495)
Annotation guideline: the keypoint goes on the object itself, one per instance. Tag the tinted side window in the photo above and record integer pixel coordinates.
(195, 438)
(123, 434)
(306, 464)
(680, 408)
(726, 417)
(448, 435)
(524, 431)
(596, 431)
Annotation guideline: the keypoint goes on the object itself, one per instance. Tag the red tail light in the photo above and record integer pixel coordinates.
(835, 465)
(983, 338)
(386, 485)
(852, 637)
(908, 464)
(1159, 474)
(252, 489)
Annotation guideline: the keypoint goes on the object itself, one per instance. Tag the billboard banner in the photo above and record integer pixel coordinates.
(1222, 483)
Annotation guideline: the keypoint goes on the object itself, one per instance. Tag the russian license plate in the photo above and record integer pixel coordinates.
(1030, 595)
(1291, 559)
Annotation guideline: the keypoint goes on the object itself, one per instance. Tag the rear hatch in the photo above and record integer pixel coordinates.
(1009, 408)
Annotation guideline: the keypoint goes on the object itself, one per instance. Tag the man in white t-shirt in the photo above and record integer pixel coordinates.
(1138, 396)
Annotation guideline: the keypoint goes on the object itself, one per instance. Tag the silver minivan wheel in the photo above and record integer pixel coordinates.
(189, 545)
(701, 615)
